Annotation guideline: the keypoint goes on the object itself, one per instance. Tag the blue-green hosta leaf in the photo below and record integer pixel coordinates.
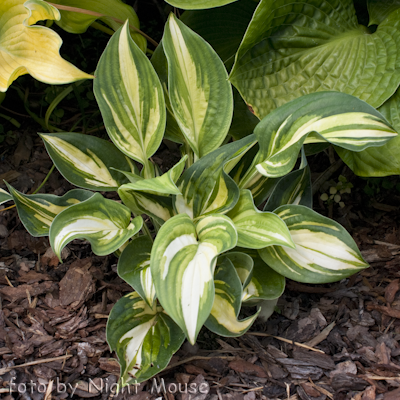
(295, 47)
(334, 117)
(379, 10)
(37, 211)
(87, 161)
(105, 223)
(199, 92)
(157, 207)
(378, 161)
(77, 22)
(294, 188)
(206, 187)
(257, 229)
(325, 252)
(164, 184)
(5, 196)
(144, 338)
(227, 303)
(198, 4)
(134, 268)
(130, 97)
(265, 283)
(182, 265)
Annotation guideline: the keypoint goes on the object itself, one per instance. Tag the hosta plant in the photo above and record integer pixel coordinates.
(221, 229)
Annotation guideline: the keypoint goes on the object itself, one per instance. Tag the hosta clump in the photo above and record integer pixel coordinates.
(210, 249)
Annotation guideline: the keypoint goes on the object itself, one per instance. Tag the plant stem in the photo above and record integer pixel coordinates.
(45, 179)
(102, 28)
(146, 230)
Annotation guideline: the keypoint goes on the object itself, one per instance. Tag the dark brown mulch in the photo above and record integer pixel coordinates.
(337, 341)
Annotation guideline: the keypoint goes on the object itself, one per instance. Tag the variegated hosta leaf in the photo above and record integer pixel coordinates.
(105, 223)
(157, 207)
(78, 22)
(265, 284)
(182, 265)
(295, 47)
(134, 268)
(33, 50)
(164, 184)
(37, 211)
(130, 97)
(144, 338)
(87, 161)
(5, 196)
(334, 117)
(243, 264)
(267, 308)
(223, 319)
(205, 186)
(199, 92)
(257, 229)
(379, 10)
(294, 188)
(325, 252)
(378, 161)
(198, 4)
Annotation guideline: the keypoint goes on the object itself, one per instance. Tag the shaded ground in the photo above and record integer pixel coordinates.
(337, 341)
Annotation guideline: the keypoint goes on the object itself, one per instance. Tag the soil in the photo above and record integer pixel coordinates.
(337, 341)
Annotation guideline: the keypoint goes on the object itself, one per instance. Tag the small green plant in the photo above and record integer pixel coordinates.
(332, 191)
(230, 221)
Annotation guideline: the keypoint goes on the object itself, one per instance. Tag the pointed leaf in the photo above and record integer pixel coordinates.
(257, 229)
(383, 160)
(87, 161)
(134, 268)
(5, 196)
(326, 116)
(294, 188)
(199, 92)
(78, 22)
(198, 4)
(227, 302)
(379, 10)
(34, 50)
(324, 252)
(182, 265)
(37, 211)
(130, 97)
(295, 47)
(106, 224)
(243, 264)
(144, 338)
(205, 186)
(164, 184)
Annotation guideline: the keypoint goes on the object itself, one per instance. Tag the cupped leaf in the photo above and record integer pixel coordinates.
(182, 265)
(157, 207)
(294, 188)
(164, 184)
(130, 97)
(257, 229)
(87, 161)
(5, 196)
(33, 50)
(325, 252)
(379, 10)
(243, 264)
(134, 268)
(383, 160)
(198, 4)
(79, 22)
(206, 187)
(199, 92)
(37, 211)
(265, 283)
(295, 47)
(334, 117)
(105, 223)
(144, 338)
(223, 319)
